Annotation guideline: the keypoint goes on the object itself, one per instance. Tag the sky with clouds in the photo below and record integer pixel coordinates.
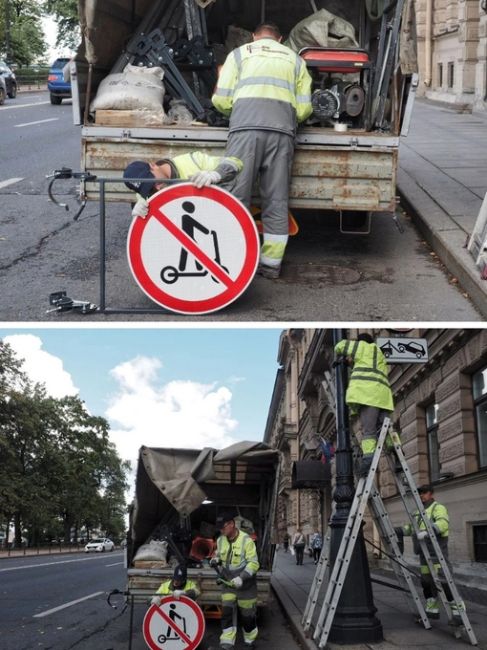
(159, 387)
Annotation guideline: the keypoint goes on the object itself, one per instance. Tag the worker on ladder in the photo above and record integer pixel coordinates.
(438, 516)
(369, 393)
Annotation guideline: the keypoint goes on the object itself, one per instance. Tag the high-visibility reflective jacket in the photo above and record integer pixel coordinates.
(438, 516)
(264, 85)
(187, 164)
(190, 589)
(368, 383)
(238, 557)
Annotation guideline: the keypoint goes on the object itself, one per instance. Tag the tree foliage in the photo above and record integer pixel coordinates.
(59, 472)
(23, 30)
(65, 13)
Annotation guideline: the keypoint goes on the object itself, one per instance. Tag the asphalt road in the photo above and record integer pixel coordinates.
(59, 603)
(327, 276)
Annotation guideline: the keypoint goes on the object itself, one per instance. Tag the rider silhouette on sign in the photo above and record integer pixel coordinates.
(189, 225)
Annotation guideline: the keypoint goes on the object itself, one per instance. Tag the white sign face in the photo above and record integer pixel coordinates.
(176, 624)
(196, 251)
(403, 349)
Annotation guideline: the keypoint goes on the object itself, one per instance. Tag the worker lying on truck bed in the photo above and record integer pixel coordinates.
(178, 586)
(265, 88)
(237, 563)
(198, 167)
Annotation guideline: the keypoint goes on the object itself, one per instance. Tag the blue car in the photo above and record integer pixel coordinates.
(58, 88)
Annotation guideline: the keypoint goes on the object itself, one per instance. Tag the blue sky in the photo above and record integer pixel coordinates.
(164, 387)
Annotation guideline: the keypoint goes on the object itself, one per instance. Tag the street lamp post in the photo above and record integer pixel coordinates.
(355, 620)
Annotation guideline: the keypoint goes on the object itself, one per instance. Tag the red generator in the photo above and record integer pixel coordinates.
(340, 81)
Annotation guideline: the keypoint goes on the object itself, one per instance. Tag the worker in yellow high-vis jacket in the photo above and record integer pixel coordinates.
(236, 557)
(198, 167)
(369, 393)
(178, 586)
(440, 522)
(265, 89)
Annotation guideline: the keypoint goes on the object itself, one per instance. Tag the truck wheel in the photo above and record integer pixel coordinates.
(55, 99)
(13, 91)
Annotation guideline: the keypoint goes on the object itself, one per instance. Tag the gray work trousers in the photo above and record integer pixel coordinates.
(371, 419)
(269, 155)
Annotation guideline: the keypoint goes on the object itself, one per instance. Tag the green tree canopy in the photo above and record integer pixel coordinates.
(21, 31)
(65, 13)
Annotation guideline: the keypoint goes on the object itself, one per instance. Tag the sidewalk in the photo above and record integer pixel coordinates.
(292, 583)
(442, 180)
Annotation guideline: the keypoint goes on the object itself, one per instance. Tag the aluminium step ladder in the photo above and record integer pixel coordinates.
(367, 494)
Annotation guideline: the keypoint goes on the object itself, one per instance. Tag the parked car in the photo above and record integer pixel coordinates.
(99, 545)
(9, 78)
(58, 88)
(3, 90)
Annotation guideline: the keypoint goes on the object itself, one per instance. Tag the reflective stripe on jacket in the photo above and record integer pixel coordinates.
(369, 384)
(438, 516)
(238, 556)
(264, 85)
(187, 164)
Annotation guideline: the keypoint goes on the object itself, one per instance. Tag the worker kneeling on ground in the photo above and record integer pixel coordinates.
(198, 167)
(440, 522)
(369, 393)
(236, 557)
(178, 586)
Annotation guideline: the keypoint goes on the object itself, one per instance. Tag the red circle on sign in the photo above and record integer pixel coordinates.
(233, 287)
(155, 611)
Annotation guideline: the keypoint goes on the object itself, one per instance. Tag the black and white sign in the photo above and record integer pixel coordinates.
(403, 349)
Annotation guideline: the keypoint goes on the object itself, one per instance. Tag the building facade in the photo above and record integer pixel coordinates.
(440, 411)
(452, 51)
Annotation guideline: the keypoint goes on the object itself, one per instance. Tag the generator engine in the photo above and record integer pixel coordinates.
(340, 79)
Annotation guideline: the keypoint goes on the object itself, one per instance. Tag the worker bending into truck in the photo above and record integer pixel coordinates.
(178, 586)
(369, 393)
(237, 563)
(265, 88)
(198, 167)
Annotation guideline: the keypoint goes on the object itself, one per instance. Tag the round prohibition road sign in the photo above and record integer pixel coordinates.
(176, 624)
(196, 251)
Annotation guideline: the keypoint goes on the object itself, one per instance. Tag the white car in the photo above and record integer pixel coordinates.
(99, 545)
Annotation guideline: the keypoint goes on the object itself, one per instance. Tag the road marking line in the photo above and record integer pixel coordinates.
(6, 108)
(10, 181)
(70, 604)
(51, 119)
(115, 564)
(33, 566)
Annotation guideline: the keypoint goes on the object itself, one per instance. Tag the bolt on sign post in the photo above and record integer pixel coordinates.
(175, 624)
(196, 251)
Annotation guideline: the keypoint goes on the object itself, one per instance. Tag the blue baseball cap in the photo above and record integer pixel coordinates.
(140, 169)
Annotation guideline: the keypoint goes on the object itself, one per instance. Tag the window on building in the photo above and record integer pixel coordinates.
(432, 435)
(440, 75)
(480, 542)
(480, 400)
(451, 74)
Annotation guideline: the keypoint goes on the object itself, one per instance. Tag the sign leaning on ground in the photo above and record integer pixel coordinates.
(177, 624)
(196, 251)
(403, 349)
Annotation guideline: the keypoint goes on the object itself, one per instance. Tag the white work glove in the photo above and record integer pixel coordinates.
(141, 208)
(156, 600)
(423, 534)
(177, 593)
(237, 582)
(203, 179)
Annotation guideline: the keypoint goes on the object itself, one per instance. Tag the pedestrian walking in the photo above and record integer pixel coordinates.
(237, 556)
(299, 542)
(198, 167)
(440, 522)
(316, 546)
(286, 542)
(369, 393)
(265, 88)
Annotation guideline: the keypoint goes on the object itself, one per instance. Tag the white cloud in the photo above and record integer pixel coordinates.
(180, 413)
(41, 366)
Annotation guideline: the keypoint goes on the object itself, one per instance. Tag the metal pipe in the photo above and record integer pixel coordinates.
(427, 42)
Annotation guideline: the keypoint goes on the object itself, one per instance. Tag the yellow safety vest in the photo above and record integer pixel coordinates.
(238, 556)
